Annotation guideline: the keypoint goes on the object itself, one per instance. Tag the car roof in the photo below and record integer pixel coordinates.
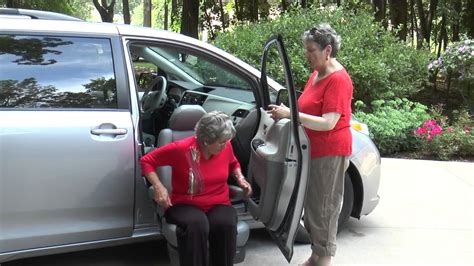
(34, 14)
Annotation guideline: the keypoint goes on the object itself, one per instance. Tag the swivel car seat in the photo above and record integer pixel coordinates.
(181, 125)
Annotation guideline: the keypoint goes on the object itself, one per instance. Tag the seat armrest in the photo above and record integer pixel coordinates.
(236, 193)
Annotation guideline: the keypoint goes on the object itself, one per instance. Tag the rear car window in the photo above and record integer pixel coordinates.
(56, 72)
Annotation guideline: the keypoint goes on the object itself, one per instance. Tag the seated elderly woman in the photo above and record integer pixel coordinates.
(199, 204)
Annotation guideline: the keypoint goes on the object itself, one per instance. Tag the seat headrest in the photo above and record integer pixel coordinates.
(185, 117)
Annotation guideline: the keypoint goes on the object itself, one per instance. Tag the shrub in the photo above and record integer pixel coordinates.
(443, 140)
(391, 123)
(455, 68)
(381, 66)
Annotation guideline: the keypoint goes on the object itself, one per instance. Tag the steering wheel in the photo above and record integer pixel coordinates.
(154, 99)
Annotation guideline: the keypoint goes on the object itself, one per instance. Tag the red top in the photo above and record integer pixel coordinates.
(331, 94)
(214, 171)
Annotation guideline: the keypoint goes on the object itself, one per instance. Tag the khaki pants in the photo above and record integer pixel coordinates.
(324, 202)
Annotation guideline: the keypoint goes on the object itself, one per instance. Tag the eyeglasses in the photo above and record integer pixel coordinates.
(315, 30)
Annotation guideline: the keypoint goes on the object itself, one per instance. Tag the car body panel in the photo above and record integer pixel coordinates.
(59, 165)
(366, 159)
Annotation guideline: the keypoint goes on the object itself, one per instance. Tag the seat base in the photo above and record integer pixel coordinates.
(174, 256)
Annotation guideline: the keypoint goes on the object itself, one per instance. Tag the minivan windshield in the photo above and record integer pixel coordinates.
(202, 69)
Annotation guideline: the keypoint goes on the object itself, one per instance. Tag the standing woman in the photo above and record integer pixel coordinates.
(325, 112)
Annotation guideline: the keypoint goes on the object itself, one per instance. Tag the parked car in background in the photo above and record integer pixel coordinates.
(81, 102)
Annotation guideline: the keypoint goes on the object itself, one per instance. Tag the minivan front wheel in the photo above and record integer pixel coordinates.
(302, 235)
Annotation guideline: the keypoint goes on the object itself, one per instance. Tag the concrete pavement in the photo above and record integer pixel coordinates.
(425, 217)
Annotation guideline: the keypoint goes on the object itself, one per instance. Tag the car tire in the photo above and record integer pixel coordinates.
(347, 204)
(302, 235)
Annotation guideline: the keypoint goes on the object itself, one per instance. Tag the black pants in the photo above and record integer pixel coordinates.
(195, 228)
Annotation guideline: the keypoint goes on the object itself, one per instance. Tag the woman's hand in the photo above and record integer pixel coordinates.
(162, 197)
(245, 186)
(278, 111)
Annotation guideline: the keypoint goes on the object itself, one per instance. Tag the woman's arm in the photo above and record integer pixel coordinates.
(242, 182)
(149, 163)
(161, 195)
(325, 122)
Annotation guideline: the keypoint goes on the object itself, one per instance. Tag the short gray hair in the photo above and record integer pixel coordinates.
(214, 126)
(323, 35)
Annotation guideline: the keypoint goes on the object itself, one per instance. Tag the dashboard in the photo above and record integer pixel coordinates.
(236, 103)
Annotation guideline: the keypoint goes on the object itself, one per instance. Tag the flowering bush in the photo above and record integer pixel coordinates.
(439, 139)
(390, 123)
(458, 59)
(429, 130)
(455, 69)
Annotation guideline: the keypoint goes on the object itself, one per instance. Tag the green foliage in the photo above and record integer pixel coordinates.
(391, 123)
(381, 66)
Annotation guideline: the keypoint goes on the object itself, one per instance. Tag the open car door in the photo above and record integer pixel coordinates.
(279, 161)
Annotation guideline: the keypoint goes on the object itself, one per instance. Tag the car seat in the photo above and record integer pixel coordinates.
(181, 125)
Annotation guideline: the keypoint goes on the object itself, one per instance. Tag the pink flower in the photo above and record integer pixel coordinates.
(450, 129)
(467, 129)
(429, 123)
(436, 130)
(420, 131)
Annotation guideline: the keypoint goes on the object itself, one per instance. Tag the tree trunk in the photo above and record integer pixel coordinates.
(414, 24)
(165, 19)
(380, 9)
(426, 21)
(238, 10)
(284, 5)
(398, 11)
(468, 18)
(106, 12)
(126, 11)
(458, 9)
(190, 18)
(263, 9)
(254, 10)
(13, 3)
(147, 13)
(431, 16)
(174, 11)
(442, 32)
(221, 10)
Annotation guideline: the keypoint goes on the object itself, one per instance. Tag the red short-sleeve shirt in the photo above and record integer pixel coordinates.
(215, 172)
(331, 94)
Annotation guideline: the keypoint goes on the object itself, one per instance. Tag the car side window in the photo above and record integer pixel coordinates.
(56, 72)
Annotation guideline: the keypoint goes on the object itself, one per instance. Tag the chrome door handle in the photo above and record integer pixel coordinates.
(109, 131)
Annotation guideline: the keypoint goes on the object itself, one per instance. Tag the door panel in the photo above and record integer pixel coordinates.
(279, 163)
(62, 184)
(269, 168)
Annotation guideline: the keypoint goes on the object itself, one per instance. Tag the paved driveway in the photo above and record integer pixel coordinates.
(425, 217)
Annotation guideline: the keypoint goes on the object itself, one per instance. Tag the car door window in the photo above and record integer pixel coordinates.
(191, 69)
(56, 72)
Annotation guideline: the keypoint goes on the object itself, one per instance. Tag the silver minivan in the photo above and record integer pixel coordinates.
(81, 102)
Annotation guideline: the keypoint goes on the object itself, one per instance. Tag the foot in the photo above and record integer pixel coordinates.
(324, 261)
(311, 261)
